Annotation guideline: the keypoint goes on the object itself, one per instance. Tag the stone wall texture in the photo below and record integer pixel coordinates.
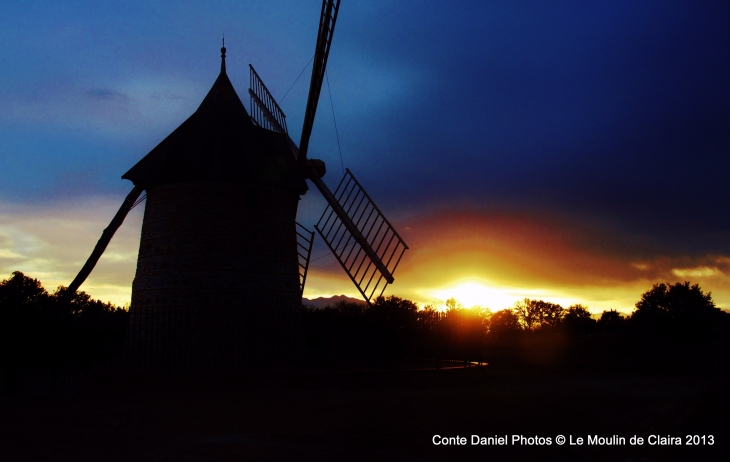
(217, 282)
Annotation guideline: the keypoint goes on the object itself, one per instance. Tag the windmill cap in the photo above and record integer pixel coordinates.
(219, 143)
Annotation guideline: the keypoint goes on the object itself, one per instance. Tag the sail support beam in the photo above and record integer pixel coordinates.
(103, 242)
(327, 20)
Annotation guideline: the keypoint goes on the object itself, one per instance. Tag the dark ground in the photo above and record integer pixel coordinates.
(367, 416)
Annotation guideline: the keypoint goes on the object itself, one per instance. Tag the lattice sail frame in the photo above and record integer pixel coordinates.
(387, 244)
(265, 111)
(305, 239)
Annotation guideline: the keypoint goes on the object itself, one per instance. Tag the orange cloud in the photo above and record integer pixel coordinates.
(487, 258)
(509, 256)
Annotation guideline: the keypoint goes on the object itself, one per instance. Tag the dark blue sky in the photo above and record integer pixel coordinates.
(618, 110)
(610, 115)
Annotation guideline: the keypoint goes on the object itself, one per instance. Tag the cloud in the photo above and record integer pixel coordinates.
(703, 271)
(512, 255)
(119, 109)
(53, 241)
(108, 94)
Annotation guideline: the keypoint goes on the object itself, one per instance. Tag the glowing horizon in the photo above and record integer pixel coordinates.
(494, 261)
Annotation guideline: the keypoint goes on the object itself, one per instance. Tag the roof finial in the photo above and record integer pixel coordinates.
(223, 55)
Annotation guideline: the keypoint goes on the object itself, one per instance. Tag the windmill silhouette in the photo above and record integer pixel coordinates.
(222, 261)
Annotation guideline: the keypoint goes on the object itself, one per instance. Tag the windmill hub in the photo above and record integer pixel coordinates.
(314, 168)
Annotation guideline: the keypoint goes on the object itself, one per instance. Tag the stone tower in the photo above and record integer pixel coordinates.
(217, 281)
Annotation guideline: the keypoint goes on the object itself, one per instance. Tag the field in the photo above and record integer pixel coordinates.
(388, 415)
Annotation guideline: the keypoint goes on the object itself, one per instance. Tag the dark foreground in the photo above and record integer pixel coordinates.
(367, 416)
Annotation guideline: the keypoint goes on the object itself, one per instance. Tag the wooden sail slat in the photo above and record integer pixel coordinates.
(370, 260)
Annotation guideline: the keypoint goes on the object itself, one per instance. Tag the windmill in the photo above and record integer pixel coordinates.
(222, 261)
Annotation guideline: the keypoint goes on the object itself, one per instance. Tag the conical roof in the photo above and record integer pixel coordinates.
(219, 143)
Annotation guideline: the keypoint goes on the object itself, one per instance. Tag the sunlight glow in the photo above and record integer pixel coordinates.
(472, 293)
(478, 293)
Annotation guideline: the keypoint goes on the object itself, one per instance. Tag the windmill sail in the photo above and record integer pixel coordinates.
(266, 113)
(369, 255)
(327, 20)
(305, 239)
(340, 209)
(358, 234)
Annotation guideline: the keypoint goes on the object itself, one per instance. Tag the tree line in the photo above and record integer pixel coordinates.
(37, 328)
(395, 328)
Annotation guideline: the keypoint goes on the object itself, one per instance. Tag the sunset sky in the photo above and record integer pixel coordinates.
(576, 152)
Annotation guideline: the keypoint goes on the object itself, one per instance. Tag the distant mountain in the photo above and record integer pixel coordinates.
(321, 302)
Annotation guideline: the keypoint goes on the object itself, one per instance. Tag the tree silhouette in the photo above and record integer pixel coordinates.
(24, 324)
(504, 323)
(349, 309)
(99, 328)
(21, 291)
(83, 305)
(610, 321)
(536, 314)
(40, 329)
(24, 305)
(680, 311)
(578, 321)
(395, 313)
(674, 300)
(428, 318)
(452, 304)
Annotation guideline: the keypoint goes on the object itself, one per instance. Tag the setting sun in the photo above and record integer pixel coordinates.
(473, 293)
